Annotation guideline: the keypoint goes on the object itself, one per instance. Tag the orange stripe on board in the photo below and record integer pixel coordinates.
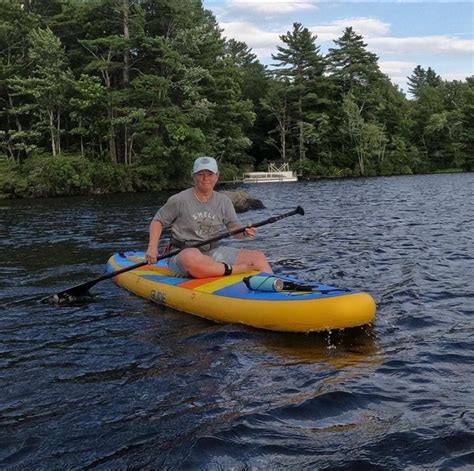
(161, 270)
(196, 282)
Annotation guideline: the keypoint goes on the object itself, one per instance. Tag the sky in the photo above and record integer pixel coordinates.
(403, 34)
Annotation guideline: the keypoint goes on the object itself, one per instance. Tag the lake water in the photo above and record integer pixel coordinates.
(122, 383)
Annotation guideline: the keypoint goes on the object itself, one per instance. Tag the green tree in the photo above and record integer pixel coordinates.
(255, 83)
(374, 101)
(47, 87)
(421, 78)
(299, 65)
(17, 139)
(276, 103)
(426, 115)
(368, 138)
(231, 114)
(351, 64)
(87, 111)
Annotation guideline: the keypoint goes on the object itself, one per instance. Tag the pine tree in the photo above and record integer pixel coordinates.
(17, 138)
(421, 78)
(299, 65)
(47, 88)
(351, 64)
(255, 83)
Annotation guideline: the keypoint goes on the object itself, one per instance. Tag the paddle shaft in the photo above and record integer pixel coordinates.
(83, 288)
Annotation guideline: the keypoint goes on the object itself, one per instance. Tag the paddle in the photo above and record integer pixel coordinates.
(82, 289)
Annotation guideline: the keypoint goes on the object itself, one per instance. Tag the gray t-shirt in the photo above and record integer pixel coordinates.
(192, 221)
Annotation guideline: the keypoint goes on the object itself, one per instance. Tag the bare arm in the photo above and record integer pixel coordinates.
(155, 233)
(250, 231)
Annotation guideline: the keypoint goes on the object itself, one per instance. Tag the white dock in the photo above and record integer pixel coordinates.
(273, 174)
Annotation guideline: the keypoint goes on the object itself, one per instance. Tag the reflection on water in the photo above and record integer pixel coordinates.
(121, 383)
(337, 349)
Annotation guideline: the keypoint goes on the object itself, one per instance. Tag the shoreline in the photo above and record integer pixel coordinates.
(221, 186)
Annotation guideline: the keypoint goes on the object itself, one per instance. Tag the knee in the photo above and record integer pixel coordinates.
(256, 255)
(259, 259)
(188, 258)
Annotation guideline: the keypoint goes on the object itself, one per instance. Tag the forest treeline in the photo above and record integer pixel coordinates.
(122, 95)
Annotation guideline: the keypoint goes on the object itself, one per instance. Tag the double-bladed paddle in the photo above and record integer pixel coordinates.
(82, 289)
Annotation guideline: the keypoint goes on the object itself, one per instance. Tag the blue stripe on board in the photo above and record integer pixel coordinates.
(167, 280)
(240, 291)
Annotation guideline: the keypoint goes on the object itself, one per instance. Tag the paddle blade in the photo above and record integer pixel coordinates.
(71, 295)
(81, 291)
(66, 298)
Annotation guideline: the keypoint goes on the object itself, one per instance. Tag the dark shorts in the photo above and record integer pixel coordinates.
(221, 254)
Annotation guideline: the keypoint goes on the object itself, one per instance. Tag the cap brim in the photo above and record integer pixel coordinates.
(213, 170)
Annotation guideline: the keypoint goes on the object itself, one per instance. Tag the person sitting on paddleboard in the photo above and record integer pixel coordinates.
(195, 215)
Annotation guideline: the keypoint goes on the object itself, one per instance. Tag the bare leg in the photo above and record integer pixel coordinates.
(257, 259)
(199, 265)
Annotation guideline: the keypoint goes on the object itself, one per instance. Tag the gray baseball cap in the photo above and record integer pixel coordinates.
(205, 163)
